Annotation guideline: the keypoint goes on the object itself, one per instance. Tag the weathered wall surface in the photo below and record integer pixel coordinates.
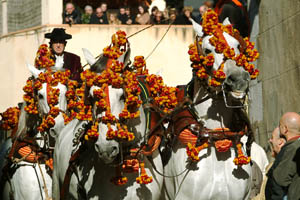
(170, 57)
(23, 14)
(279, 63)
(0, 17)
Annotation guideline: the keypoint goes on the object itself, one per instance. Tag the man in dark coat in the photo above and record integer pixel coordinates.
(58, 42)
(98, 17)
(71, 15)
(283, 177)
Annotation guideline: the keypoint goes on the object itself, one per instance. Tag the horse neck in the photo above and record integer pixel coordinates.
(200, 90)
(59, 124)
(140, 126)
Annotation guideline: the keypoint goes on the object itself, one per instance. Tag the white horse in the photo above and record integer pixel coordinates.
(96, 165)
(31, 180)
(215, 175)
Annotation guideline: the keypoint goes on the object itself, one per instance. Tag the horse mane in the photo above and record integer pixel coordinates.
(27, 122)
(100, 65)
(22, 121)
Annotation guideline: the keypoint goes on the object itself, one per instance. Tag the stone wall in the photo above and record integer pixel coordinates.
(0, 18)
(23, 14)
(279, 63)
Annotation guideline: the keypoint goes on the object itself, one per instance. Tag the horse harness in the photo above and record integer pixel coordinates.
(187, 118)
(26, 149)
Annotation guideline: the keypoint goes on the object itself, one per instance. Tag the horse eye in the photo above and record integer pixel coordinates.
(239, 46)
(207, 51)
(41, 96)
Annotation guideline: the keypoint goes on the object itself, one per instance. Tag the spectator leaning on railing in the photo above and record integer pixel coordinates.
(184, 18)
(103, 7)
(129, 17)
(122, 15)
(86, 16)
(98, 17)
(143, 16)
(71, 15)
(112, 19)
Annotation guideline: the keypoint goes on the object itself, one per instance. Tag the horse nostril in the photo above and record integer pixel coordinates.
(114, 150)
(231, 78)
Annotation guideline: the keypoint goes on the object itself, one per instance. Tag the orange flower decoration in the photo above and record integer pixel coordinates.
(241, 159)
(43, 57)
(143, 178)
(10, 118)
(223, 145)
(193, 151)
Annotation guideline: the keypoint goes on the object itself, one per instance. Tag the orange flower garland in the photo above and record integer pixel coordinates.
(119, 179)
(48, 121)
(241, 159)
(193, 151)
(31, 104)
(164, 96)
(118, 40)
(93, 132)
(143, 178)
(43, 57)
(10, 118)
(139, 64)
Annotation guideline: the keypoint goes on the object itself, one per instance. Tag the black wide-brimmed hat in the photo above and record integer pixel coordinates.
(58, 34)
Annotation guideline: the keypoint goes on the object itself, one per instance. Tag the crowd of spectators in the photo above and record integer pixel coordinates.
(144, 14)
(159, 13)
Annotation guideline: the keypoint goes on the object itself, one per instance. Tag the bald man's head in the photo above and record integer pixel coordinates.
(290, 124)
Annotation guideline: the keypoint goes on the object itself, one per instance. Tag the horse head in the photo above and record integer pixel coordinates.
(43, 93)
(113, 98)
(221, 57)
(49, 93)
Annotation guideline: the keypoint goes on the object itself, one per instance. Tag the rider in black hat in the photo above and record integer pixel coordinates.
(57, 43)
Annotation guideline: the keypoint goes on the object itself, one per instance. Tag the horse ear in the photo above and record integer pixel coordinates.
(34, 71)
(197, 28)
(88, 56)
(226, 21)
(125, 57)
